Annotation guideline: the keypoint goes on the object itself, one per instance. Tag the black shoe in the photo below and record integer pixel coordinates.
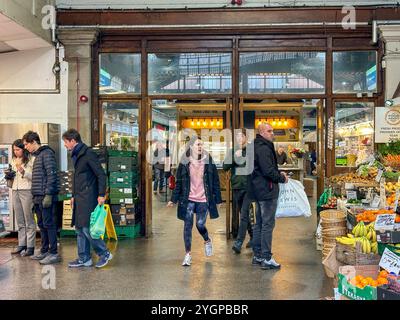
(256, 261)
(18, 250)
(236, 249)
(28, 252)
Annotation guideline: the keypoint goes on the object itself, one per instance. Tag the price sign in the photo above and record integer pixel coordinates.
(382, 192)
(379, 175)
(390, 262)
(120, 179)
(351, 195)
(385, 222)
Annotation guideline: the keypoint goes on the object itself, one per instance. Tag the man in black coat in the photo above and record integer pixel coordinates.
(264, 189)
(45, 188)
(89, 190)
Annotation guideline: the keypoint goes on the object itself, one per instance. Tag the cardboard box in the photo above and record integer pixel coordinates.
(331, 264)
(383, 293)
(346, 273)
(388, 236)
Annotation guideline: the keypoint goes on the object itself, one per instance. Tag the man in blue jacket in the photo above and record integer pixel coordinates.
(263, 188)
(45, 188)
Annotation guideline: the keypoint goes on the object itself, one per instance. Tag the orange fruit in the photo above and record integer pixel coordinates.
(374, 283)
(359, 278)
(369, 279)
(383, 274)
(364, 282)
(382, 281)
(353, 281)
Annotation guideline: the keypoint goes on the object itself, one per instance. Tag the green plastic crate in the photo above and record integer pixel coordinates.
(122, 192)
(128, 232)
(120, 153)
(67, 233)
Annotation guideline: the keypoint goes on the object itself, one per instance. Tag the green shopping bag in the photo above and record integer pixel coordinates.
(98, 222)
(323, 199)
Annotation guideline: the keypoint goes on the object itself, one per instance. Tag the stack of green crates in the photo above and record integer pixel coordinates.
(124, 176)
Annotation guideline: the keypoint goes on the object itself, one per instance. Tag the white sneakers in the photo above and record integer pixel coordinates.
(187, 261)
(208, 248)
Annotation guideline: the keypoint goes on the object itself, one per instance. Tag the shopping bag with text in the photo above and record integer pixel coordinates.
(292, 201)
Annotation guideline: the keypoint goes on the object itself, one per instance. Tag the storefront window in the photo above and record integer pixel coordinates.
(121, 125)
(190, 73)
(354, 132)
(354, 72)
(282, 72)
(119, 73)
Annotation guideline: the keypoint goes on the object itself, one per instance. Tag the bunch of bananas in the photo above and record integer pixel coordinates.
(361, 230)
(363, 234)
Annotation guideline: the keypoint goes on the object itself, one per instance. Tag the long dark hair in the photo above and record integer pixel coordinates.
(25, 154)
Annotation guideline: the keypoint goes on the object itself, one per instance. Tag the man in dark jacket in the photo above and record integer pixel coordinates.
(264, 189)
(239, 191)
(45, 188)
(89, 190)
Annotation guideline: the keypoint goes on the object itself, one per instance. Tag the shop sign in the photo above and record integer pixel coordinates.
(387, 124)
(390, 261)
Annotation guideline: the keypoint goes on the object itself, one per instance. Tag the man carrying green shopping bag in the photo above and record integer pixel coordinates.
(89, 190)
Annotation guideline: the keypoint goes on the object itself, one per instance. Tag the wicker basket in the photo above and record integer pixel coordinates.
(334, 232)
(332, 216)
(328, 225)
(350, 255)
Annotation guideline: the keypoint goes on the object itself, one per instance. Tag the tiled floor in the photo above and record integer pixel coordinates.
(151, 268)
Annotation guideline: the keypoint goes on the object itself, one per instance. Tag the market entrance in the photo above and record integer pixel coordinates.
(298, 127)
(173, 123)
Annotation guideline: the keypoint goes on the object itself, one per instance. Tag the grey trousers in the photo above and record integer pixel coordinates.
(22, 203)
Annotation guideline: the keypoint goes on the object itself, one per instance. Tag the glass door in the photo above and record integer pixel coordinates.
(5, 193)
(174, 122)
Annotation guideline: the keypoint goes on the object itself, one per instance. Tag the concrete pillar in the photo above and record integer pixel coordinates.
(390, 34)
(78, 54)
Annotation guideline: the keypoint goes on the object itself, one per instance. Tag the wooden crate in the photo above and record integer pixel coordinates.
(350, 255)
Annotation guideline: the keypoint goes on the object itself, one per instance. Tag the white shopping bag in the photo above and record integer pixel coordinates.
(292, 201)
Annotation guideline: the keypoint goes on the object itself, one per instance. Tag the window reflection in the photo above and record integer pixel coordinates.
(354, 72)
(119, 73)
(282, 72)
(190, 73)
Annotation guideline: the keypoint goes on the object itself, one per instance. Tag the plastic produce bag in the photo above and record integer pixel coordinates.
(292, 201)
(323, 199)
(98, 222)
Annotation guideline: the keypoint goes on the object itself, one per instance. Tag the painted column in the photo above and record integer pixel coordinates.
(78, 54)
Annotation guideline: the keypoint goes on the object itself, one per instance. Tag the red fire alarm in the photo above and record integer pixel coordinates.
(84, 99)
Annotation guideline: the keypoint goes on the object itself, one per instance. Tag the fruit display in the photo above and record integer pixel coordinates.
(361, 282)
(397, 245)
(391, 175)
(391, 187)
(370, 215)
(363, 234)
(348, 177)
(331, 204)
(392, 161)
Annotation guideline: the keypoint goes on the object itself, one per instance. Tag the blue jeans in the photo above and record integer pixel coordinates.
(85, 241)
(201, 209)
(158, 179)
(48, 229)
(262, 232)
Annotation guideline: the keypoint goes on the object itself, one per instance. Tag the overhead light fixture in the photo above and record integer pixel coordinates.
(274, 123)
(218, 123)
(192, 123)
(204, 122)
(198, 123)
(212, 123)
